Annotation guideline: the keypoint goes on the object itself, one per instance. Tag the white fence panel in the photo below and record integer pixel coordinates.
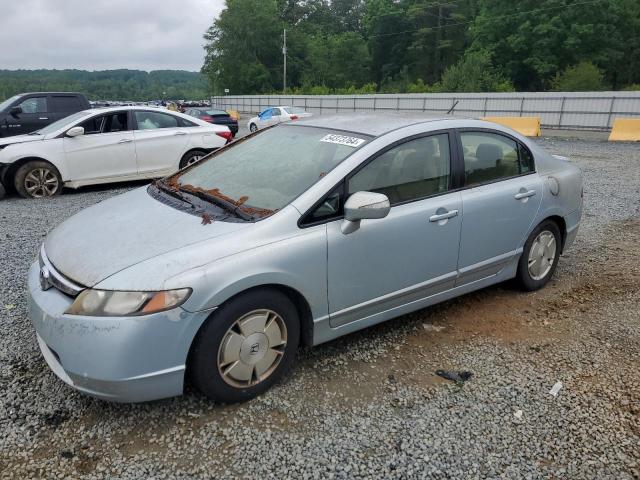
(563, 110)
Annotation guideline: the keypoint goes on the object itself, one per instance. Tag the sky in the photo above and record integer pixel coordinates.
(105, 34)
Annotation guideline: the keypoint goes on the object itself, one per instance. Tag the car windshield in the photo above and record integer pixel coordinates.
(294, 110)
(266, 172)
(61, 123)
(4, 105)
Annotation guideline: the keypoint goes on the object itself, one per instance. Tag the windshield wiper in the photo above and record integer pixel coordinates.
(221, 202)
(37, 132)
(162, 185)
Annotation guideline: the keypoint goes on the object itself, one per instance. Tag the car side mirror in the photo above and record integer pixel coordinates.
(15, 111)
(75, 132)
(362, 206)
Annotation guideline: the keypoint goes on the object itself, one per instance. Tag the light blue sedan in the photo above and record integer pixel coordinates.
(220, 272)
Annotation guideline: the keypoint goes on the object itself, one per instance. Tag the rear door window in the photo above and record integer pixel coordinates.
(490, 157)
(65, 103)
(155, 120)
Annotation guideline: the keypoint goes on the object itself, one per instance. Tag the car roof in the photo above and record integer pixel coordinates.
(118, 108)
(372, 123)
(50, 93)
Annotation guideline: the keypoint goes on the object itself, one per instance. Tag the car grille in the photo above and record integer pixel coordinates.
(51, 278)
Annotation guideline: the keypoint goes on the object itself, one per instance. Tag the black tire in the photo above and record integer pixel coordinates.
(524, 278)
(253, 128)
(37, 169)
(203, 360)
(191, 157)
(3, 192)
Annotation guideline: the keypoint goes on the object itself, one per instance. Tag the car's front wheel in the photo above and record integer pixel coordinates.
(253, 127)
(246, 346)
(540, 256)
(37, 179)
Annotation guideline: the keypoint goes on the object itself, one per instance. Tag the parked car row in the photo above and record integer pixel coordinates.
(295, 236)
(105, 145)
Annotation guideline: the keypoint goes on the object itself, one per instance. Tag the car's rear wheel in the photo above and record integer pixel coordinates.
(253, 127)
(192, 157)
(540, 256)
(246, 346)
(37, 179)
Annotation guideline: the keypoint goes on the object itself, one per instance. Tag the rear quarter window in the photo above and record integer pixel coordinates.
(67, 103)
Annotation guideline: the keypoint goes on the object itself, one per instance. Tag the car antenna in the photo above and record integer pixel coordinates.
(453, 106)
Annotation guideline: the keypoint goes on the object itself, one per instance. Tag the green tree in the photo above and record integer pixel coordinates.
(474, 73)
(545, 36)
(244, 47)
(584, 77)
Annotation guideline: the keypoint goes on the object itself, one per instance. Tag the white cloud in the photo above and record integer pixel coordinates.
(105, 34)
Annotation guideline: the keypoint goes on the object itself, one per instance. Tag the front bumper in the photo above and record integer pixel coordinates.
(122, 359)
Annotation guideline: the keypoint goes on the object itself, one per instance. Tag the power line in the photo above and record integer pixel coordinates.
(402, 12)
(499, 17)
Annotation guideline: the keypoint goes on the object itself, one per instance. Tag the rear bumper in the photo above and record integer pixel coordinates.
(122, 359)
(572, 222)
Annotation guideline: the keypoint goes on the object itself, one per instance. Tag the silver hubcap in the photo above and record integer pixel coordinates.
(542, 255)
(194, 159)
(41, 182)
(252, 348)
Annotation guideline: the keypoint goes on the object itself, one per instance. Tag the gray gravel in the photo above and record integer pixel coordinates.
(369, 405)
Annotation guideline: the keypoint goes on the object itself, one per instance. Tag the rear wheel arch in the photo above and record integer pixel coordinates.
(562, 225)
(188, 153)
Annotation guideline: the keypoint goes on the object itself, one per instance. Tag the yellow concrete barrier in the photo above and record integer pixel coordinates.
(234, 114)
(625, 130)
(529, 126)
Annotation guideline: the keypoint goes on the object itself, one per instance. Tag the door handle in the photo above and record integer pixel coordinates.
(180, 133)
(125, 140)
(443, 216)
(521, 195)
(43, 118)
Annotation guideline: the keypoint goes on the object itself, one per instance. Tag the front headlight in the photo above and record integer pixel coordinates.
(108, 303)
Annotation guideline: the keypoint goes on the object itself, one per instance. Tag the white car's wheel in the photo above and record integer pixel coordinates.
(37, 179)
(253, 127)
(192, 157)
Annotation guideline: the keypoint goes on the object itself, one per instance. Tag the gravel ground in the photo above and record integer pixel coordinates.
(369, 404)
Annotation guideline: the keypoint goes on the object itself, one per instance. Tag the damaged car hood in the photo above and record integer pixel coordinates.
(123, 231)
(20, 139)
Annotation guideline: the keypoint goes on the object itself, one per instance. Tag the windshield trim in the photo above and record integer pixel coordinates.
(256, 212)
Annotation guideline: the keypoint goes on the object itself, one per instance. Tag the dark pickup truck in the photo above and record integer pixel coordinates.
(27, 112)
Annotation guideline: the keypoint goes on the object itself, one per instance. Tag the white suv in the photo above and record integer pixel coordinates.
(105, 145)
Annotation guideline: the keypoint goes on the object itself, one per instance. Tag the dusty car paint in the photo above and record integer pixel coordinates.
(133, 242)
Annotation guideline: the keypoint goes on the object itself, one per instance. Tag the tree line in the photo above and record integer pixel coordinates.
(394, 46)
(134, 85)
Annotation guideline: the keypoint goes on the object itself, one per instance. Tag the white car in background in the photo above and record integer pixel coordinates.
(105, 145)
(274, 115)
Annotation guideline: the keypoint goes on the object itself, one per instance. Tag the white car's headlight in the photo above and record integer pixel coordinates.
(108, 303)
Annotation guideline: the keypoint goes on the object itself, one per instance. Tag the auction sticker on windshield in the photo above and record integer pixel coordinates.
(343, 140)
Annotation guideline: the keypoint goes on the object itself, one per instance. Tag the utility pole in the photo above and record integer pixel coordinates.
(284, 53)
